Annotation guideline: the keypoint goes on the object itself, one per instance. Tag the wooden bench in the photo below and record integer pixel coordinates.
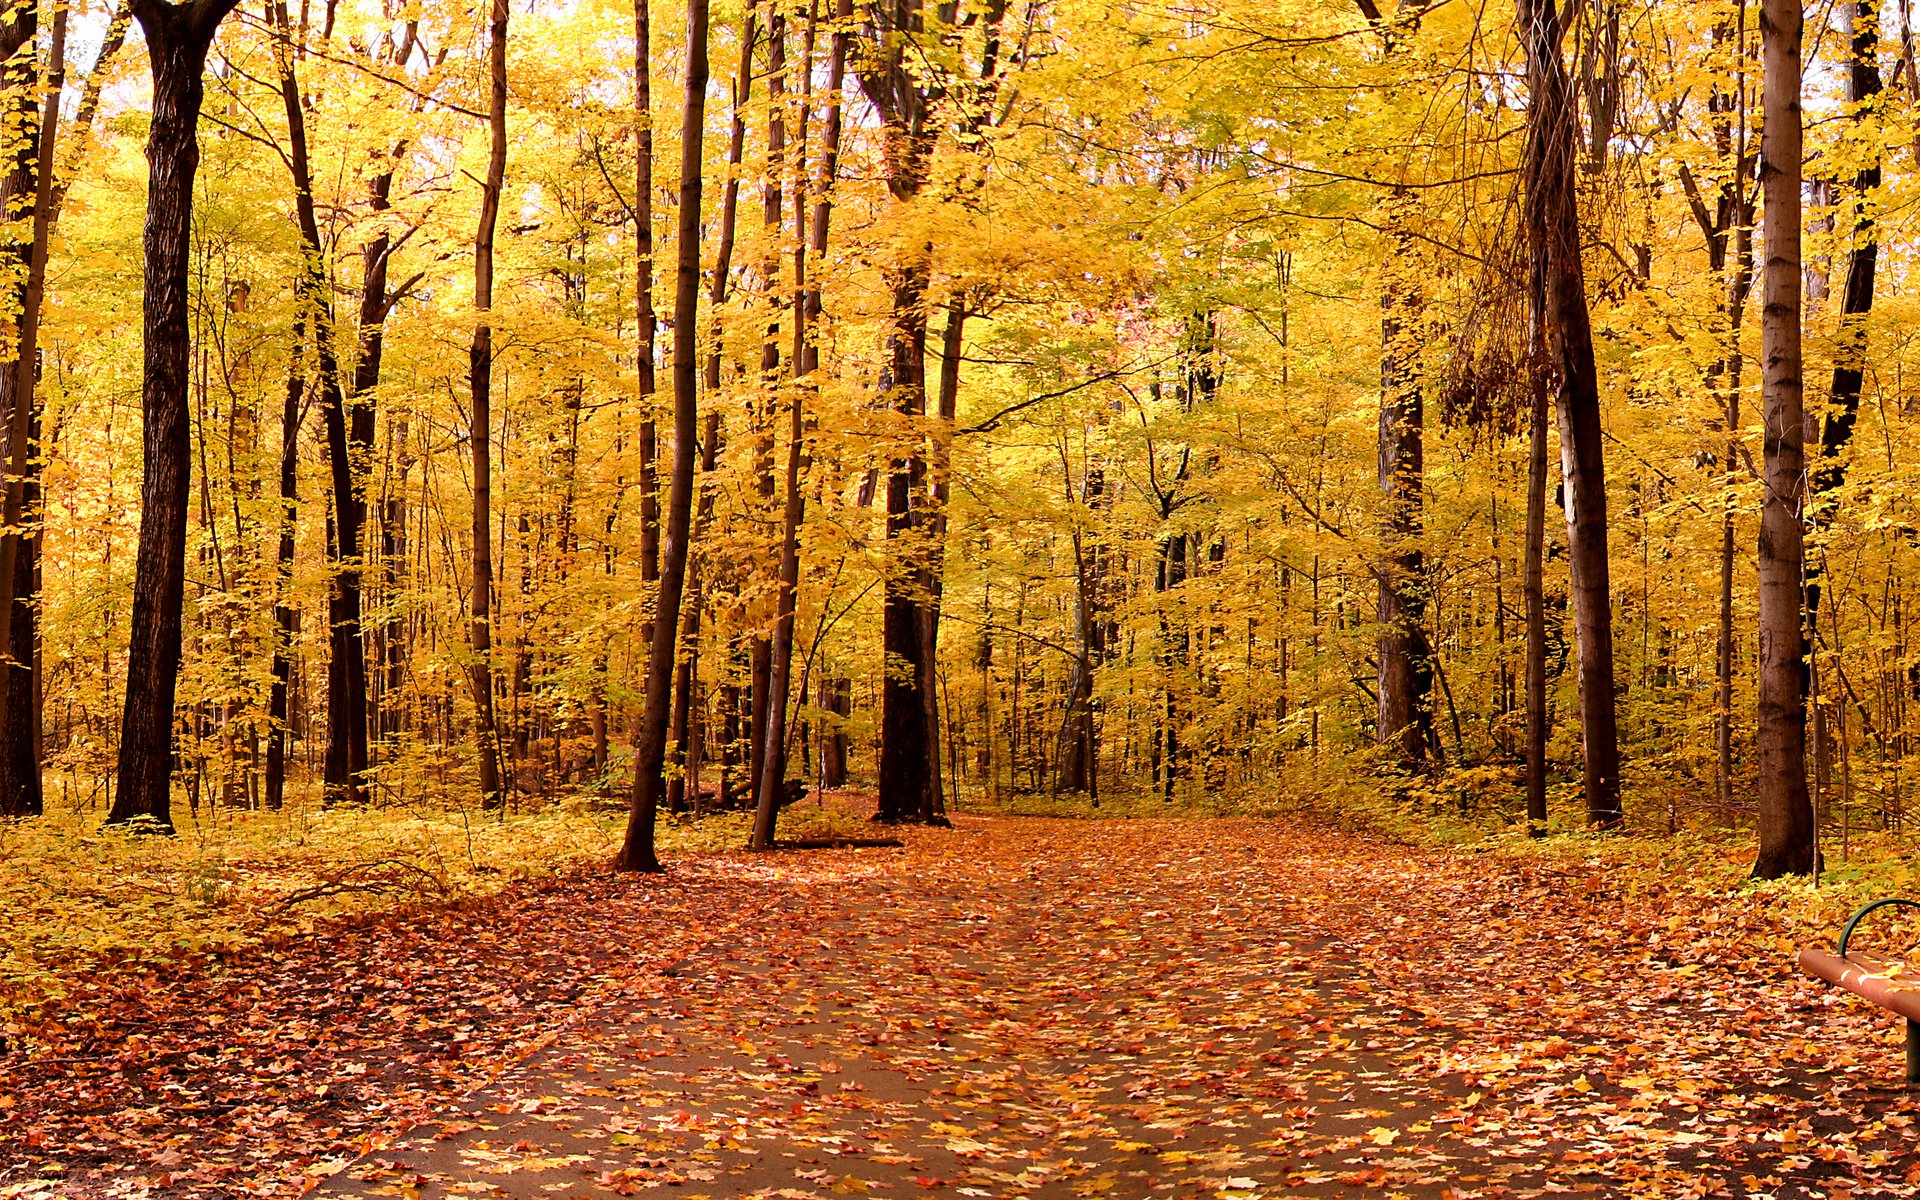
(1892, 984)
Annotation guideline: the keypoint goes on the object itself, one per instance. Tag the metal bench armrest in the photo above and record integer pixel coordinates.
(1846, 931)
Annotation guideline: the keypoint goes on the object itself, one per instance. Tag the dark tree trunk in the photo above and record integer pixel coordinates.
(1785, 813)
(647, 324)
(480, 384)
(345, 765)
(28, 189)
(1534, 586)
(805, 360)
(177, 40)
(637, 852)
(1404, 677)
(278, 731)
(688, 669)
(1553, 224)
(907, 744)
(1836, 429)
(772, 209)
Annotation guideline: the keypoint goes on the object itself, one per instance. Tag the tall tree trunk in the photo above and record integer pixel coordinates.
(345, 765)
(278, 731)
(1534, 583)
(28, 186)
(1785, 813)
(637, 851)
(480, 384)
(1850, 348)
(806, 359)
(909, 745)
(377, 298)
(645, 321)
(772, 209)
(177, 40)
(1553, 223)
(686, 673)
(1405, 665)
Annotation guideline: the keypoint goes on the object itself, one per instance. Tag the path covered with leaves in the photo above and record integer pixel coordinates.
(1244, 1008)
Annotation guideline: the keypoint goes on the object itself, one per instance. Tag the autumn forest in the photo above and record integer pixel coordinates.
(638, 548)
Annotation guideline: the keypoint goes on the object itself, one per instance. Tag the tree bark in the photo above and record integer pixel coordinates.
(909, 745)
(480, 384)
(1553, 223)
(1534, 586)
(645, 320)
(278, 731)
(345, 765)
(806, 359)
(772, 210)
(178, 37)
(1404, 678)
(637, 851)
(1785, 812)
(20, 793)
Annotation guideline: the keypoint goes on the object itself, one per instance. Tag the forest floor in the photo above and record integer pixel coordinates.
(1230, 1008)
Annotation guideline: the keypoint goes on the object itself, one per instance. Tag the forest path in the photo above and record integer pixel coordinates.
(1231, 1009)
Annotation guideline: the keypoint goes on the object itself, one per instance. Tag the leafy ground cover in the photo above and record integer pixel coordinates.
(1231, 1008)
(81, 899)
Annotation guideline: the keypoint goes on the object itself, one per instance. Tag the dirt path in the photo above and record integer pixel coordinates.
(1241, 1010)
(1180, 1009)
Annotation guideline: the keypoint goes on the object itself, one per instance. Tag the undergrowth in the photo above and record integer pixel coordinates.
(79, 896)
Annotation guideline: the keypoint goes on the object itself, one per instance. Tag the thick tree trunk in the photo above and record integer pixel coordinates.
(637, 852)
(480, 384)
(1553, 223)
(1785, 815)
(909, 740)
(177, 41)
(907, 744)
(1404, 680)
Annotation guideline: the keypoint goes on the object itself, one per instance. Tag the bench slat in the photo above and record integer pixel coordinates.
(1884, 981)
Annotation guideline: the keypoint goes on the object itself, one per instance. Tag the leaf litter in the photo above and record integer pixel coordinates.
(1238, 1009)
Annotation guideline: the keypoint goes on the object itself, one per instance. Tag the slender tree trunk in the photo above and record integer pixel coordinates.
(773, 209)
(1785, 814)
(1553, 222)
(637, 852)
(345, 766)
(806, 359)
(19, 542)
(1850, 344)
(907, 745)
(278, 730)
(480, 384)
(177, 41)
(1534, 585)
(646, 322)
(687, 748)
